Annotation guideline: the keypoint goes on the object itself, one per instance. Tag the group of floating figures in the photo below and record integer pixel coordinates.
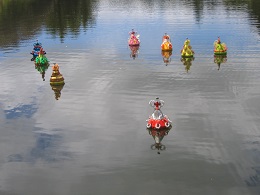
(159, 124)
(187, 54)
(42, 64)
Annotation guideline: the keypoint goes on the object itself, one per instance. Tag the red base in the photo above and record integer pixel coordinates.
(158, 124)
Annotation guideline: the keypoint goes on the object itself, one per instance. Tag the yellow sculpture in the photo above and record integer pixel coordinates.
(187, 51)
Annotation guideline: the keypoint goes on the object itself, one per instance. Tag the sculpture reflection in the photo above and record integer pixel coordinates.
(219, 59)
(42, 69)
(57, 90)
(187, 62)
(166, 57)
(134, 51)
(158, 136)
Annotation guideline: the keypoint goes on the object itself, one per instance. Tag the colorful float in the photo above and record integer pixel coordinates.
(219, 47)
(36, 49)
(56, 77)
(186, 51)
(133, 40)
(158, 120)
(166, 43)
(41, 59)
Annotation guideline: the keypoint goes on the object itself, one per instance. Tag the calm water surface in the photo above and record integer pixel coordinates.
(93, 139)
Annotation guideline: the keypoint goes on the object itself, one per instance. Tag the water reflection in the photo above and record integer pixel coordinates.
(17, 23)
(44, 143)
(69, 16)
(254, 180)
(23, 110)
(41, 68)
(158, 136)
(166, 57)
(57, 90)
(59, 17)
(62, 18)
(187, 62)
(210, 139)
(134, 51)
(46, 148)
(219, 59)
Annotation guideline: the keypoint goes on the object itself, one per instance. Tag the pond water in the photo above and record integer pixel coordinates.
(89, 136)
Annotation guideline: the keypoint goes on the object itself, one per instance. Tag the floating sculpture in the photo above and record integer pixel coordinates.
(133, 40)
(220, 48)
(187, 51)
(41, 59)
(36, 49)
(158, 120)
(56, 77)
(166, 43)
